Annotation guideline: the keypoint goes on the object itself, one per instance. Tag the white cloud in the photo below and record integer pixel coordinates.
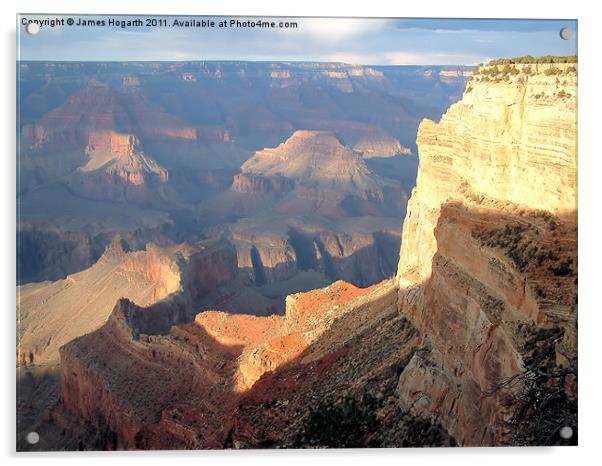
(351, 58)
(407, 58)
(339, 28)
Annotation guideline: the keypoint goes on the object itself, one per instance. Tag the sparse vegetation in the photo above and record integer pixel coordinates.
(543, 397)
(353, 423)
(564, 268)
(535, 60)
(551, 71)
(344, 424)
(518, 242)
(504, 68)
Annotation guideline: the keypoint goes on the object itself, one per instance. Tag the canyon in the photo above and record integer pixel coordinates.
(300, 318)
(154, 151)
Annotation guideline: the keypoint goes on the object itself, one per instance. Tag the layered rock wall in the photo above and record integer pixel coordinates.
(245, 183)
(491, 219)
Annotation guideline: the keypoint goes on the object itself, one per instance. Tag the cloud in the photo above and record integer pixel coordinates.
(403, 58)
(339, 28)
(464, 24)
(429, 58)
(351, 58)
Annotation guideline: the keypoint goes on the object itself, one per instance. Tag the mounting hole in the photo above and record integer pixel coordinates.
(566, 432)
(33, 438)
(566, 33)
(32, 28)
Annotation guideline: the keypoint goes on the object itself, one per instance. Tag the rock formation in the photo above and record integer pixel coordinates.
(99, 107)
(358, 250)
(488, 255)
(316, 159)
(321, 174)
(118, 170)
(227, 371)
(380, 146)
(183, 132)
(52, 314)
(55, 145)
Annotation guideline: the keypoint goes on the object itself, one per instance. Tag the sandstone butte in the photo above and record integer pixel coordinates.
(487, 267)
(314, 172)
(314, 161)
(118, 170)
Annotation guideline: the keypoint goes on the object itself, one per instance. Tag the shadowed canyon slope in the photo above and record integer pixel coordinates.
(485, 292)
(52, 314)
(240, 380)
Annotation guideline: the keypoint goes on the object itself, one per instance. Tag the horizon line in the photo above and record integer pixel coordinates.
(243, 61)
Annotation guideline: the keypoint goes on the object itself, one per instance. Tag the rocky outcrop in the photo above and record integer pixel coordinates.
(51, 314)
(222, 369)
(488, 256)
(359, 255)
(514, 127)
(312, 171)
(380, 145)
(265, 258)
(122, 145)
(62, 139)
(99, 107)
(119, 171)
(316, 159)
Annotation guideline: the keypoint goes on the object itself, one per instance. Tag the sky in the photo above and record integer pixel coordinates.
(366, 41)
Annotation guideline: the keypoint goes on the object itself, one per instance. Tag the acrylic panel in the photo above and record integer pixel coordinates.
(255, 232)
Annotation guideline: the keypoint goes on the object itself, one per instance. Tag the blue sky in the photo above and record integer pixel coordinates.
(350, 40)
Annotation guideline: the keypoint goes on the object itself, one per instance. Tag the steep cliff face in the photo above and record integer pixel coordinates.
(359, 251)
(488, 255)
(505, 133)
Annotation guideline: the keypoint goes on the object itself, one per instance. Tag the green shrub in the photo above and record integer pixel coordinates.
(344, 424)
(552, 71)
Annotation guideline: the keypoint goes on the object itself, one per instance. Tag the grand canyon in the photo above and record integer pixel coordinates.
(296, 255)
